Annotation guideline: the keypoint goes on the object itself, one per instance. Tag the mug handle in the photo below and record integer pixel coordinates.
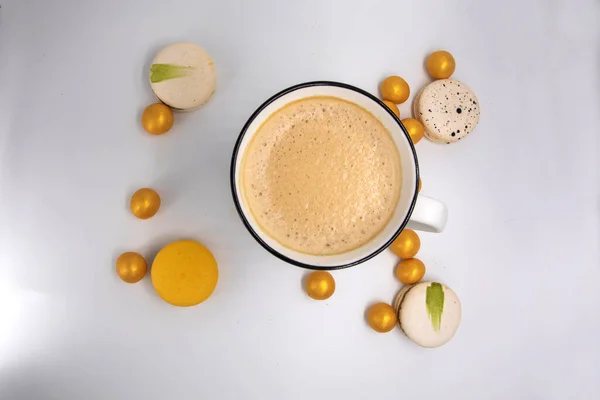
(429, 215)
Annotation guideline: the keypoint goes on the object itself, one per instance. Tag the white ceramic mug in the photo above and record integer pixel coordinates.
(413, 210)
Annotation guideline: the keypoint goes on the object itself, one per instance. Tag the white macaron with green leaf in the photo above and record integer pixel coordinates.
(183, 76)
(429, 313)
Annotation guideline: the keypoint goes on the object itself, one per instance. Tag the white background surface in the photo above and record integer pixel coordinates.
(521, 247)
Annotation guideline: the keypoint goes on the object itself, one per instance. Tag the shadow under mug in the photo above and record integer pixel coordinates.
(413, 210)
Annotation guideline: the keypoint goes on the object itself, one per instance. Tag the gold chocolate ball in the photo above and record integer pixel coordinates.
(419, 185)
(157, 119)
(392, 107)
(410, 271)
(382, 317)
(320, 285)
(415, 129)
(407, 244)
(395, 89)
(440, 65)
(131, 267)
(144, 203)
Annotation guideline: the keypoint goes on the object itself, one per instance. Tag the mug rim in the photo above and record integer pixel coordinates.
(236, 196)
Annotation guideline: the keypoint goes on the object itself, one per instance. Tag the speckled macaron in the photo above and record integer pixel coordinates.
(448, 110)
(429, 313)
(183, 76)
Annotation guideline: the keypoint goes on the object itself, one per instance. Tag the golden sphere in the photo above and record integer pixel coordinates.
(157, 119)
(320, 285)
(131, 267)
(392, 107)
(395, 89)
(419, 184)
(410, 271)
(440, 65)
(415, 129)
(144, 203)
(407, 244)
(382, 317)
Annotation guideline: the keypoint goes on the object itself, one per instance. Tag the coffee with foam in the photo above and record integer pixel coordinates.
(322, 176)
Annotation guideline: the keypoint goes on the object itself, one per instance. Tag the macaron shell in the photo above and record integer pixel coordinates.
(192, 79)
(417, 115)
(399, 297)
(429, 314)
(448, 110)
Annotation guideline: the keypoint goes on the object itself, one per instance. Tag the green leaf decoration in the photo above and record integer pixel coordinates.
(434, 300)
(163, 72)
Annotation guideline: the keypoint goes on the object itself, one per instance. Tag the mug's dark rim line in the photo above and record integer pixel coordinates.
(234, 192)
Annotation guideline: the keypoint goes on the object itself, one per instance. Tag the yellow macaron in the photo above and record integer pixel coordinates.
(184, 273)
